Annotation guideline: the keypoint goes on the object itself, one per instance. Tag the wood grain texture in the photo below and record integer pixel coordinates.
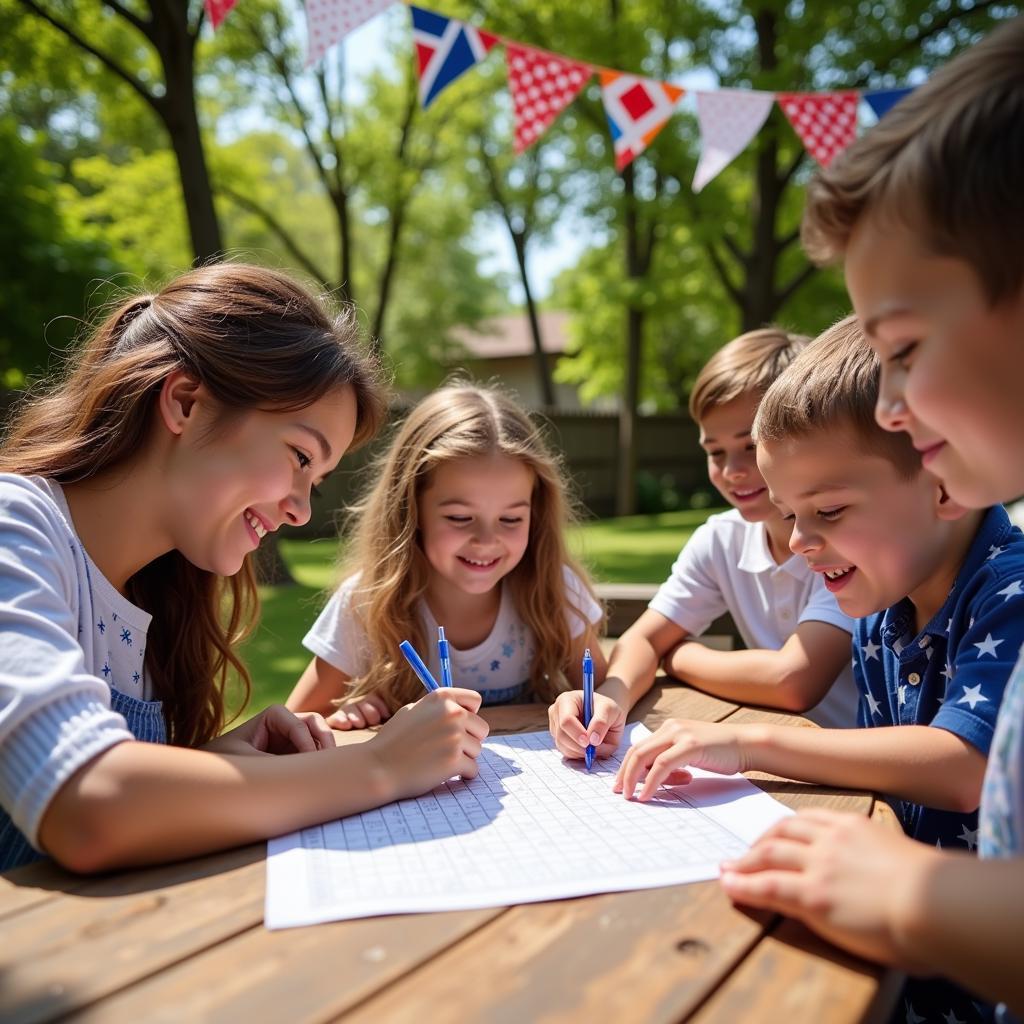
(99, 935)
(299, 974)
(650, 955)
(795, 977)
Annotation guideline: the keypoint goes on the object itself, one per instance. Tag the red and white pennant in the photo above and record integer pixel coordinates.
(542, 84)
(825, 121)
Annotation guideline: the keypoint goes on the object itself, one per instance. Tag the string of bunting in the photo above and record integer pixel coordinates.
(542, 84)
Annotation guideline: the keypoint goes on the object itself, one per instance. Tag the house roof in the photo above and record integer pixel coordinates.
(504, 337)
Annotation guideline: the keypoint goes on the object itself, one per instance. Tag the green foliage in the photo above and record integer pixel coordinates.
(48, 266)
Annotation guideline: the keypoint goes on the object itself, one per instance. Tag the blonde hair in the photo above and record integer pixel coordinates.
(459, 421)
(746, 365)
(947, 162)
(833, 384)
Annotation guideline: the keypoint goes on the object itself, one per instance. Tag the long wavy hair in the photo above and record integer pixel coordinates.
(257, 340)
(458, 421)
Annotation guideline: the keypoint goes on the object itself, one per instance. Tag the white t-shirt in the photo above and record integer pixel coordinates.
(499, 667)
(66, 637)
(727, 567)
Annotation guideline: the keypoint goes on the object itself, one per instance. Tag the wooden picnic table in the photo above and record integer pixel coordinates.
(186, 942)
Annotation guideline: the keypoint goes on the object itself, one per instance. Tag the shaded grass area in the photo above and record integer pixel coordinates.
(637, 549)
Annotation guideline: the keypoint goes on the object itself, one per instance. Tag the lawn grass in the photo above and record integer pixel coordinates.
(636, 549)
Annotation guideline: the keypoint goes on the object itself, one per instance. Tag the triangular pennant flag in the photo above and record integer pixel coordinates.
(329, 21)
(825, 121)
(445, 48)
(637, 109)
(729, 119)
(542, 85)
(881, 101)
(218, 10)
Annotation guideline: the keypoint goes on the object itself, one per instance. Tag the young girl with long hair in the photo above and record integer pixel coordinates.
(464, 528)
(133, 492)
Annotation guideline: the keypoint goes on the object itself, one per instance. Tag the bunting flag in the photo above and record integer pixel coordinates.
(729, 119)
(637, 109)
(218, 10)
(881, 101)
(445, 49)
(542, 85)
(825, 121)
(329, 21)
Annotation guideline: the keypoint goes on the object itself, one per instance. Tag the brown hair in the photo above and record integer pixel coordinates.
(833, 384)
(746, 365)
(946, 162)
(458, 421)
(255, 339)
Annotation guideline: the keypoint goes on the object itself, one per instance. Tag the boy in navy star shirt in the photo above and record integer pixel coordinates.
(936, 588)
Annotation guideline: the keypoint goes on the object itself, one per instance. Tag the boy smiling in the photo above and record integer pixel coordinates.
(938, 636)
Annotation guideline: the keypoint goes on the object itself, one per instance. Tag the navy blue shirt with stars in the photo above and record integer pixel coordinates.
(952, 673)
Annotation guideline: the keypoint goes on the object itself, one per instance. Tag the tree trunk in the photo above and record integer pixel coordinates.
(177, 109)
(625, 498)
(547, 389)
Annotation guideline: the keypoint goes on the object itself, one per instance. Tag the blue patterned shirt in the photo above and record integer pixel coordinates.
(952, 674)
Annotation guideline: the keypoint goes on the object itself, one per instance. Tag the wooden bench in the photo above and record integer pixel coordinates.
(625, 602)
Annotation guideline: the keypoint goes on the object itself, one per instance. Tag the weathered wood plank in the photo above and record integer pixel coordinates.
(650, 955)
(301, 974)
(793, 976)
(102, 934)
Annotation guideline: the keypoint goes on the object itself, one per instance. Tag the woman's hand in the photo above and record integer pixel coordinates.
(276, 730)
(661, 759)
(360, 713)
(426, 743)
(565, 720)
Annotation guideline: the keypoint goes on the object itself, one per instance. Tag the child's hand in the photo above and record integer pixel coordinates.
(662, 757)
(359, 713)
(276, 730)
(565, 720)
(835, 872)
(426, 743)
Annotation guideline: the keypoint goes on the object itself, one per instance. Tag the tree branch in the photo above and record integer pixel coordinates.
(276, 228)
(145, 27)
(782, 297)
(155, 102)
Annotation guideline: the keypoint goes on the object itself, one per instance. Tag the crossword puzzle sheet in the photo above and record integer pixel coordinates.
(530, 827)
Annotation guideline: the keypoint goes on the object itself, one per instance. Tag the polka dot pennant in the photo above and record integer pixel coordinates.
(542, 85)
(217, 10)
(329, 21)
(825, 121)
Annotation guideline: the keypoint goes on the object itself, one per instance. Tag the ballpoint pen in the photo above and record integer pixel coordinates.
(446, 663)
(588, 701)
(416, 663)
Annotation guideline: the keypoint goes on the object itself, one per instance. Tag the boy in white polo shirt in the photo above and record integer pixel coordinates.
(797, 639)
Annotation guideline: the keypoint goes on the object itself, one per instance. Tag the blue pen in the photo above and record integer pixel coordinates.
(446, 661)
(416, 663)
(588, 700)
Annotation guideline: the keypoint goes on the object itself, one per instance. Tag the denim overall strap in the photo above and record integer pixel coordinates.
(145, 720)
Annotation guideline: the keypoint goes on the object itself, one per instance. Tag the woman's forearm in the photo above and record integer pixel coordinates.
(141, 803)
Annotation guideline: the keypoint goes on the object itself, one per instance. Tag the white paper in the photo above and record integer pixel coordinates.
(530, 827)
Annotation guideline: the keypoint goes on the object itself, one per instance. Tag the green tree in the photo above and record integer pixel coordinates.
(41, 254)
(750, 252)
(150, 47)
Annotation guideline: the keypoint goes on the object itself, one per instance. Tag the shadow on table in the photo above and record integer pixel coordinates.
(47, 875)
